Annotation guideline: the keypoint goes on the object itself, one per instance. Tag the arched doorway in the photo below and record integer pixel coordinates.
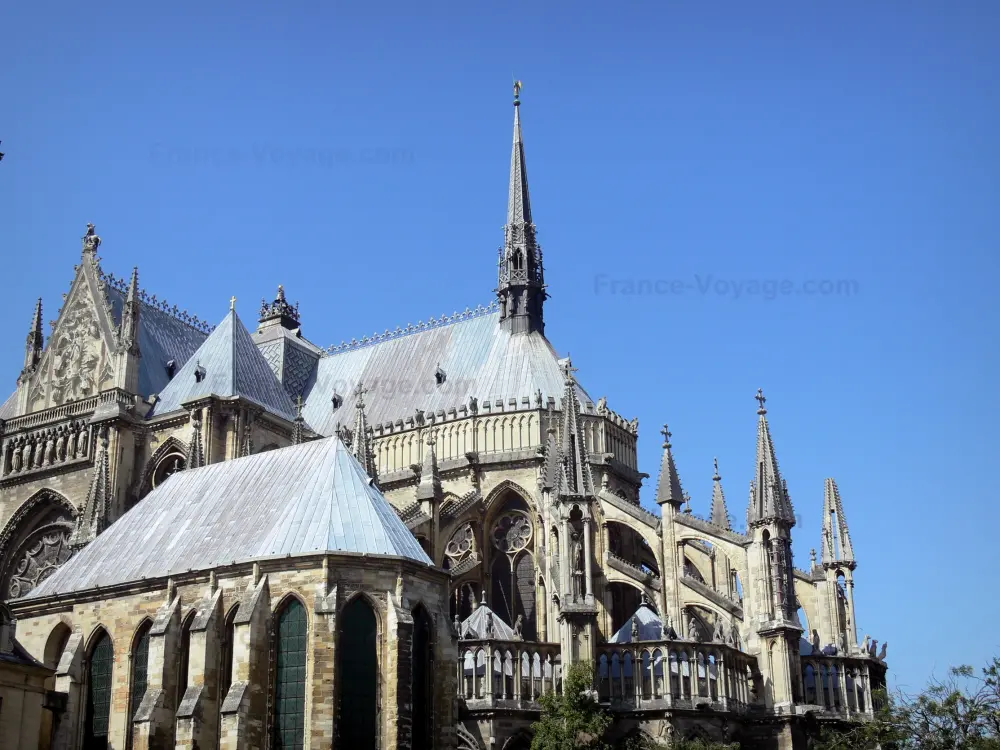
(358, 678)
(100, 663)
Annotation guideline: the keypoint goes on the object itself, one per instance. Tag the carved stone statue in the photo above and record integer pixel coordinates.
(576, 562)
(865, 644)
(602, 405)
(873, 648)
(668, 630)
(719, 635)
(16, 463)
(61, 445)
(635, 629)
(90, 240)
(489, 625)
(518, 628)
(815, 642)
(881, 653)
(82, 440)
(693, 631)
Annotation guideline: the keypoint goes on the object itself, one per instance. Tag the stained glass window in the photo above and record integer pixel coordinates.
(358, 718)
(290, 678)
(140, 674)
(99, 695)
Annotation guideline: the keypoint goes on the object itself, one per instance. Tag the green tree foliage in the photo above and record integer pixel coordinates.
(573, 719)
(961, 712)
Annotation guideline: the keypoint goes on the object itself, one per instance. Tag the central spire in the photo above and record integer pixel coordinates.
(521, 278)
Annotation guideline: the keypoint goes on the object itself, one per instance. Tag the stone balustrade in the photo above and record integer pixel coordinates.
(842, 685)
(674, 674)
(494, 674)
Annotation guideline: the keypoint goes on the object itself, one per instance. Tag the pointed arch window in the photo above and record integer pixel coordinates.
(290, 677)
(358, 678)
(423, 685)
(140, 675)
(101, 662)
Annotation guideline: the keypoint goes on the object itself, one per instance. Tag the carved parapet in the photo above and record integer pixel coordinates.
(674, 674)
(507, 675)
(33, 452)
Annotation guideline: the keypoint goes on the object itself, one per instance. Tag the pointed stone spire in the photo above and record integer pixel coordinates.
(95, 516)
(720, 513)
(36, 340)
(298, 427)
(90, 243)
(430, 478)
(196, 449)
(128, 331)
(521, 278)
(837, 547)
(668, 489)
(574, 477)
(769, 500)
(361, 446)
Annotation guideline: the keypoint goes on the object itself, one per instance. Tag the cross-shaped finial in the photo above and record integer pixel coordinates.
(232, 303)
(761, 400)
(666, 435)
(568, 368)
(518, 85)
(359, 393)
(716, 477)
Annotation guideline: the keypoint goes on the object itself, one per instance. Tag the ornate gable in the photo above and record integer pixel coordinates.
(78, 360)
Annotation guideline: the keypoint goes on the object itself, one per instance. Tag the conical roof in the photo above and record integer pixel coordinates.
(304, 499)
(227, 364)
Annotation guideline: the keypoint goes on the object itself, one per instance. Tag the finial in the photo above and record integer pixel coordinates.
(666, 435)
(359, 393)
(232, 304)
(90, 240)
(281, 292)
(760, 400)
(568, 369)
(298, 407)
(717, 478)
(518, 85)
(812, 556)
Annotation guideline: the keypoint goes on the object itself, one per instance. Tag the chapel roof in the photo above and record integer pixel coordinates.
(227, 363)
(305, 499)
(650, 626)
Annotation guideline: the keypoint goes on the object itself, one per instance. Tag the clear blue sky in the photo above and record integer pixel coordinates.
(692, 142)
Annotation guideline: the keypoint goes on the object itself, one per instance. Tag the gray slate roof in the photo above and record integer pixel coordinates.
(650, 627)
(233, 367)
(162, 338)
(9, 407)
(305, 499)
(478, 358)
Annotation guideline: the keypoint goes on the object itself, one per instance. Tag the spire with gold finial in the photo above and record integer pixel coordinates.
(521, 278)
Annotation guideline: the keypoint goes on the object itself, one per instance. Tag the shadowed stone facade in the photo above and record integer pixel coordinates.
(521, 489)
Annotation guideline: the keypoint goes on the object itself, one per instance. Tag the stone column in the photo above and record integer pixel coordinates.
(588, 565)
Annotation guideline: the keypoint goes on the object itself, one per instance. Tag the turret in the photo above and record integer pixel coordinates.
(521, 278)
(837, 623)
(720, 513)
(773, 606)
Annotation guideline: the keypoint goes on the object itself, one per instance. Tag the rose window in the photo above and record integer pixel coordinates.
(512, 533)
(461, 544)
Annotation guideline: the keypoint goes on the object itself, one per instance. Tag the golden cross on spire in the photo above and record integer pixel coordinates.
(232, 303)
(518, 85)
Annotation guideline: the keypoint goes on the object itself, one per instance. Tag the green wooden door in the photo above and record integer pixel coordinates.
(357, 720)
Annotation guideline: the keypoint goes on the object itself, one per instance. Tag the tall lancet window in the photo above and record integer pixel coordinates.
(358, 679)
(100, 665)
(290, 677)
(140, 675)
(513, 566)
